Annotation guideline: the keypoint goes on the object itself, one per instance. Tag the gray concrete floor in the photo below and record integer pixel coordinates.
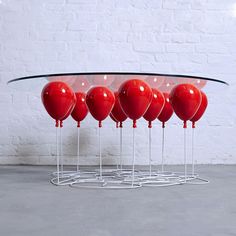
(30, 205)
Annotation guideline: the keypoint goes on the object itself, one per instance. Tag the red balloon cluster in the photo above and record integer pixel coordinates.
(134, 99)
(186, 100)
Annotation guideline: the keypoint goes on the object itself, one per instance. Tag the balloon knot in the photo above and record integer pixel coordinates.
(117, 124)
(61, 124)
(185, 124)
(134, 124)
(149, 124)
(100, 124)
(78, 124)
(163, 125)
(121, 125)
(57, 123)
(193, 125)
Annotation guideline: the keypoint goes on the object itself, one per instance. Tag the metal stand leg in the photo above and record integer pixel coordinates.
(121, 150)
(150, 152)
(61, 153)
(78, 151)
(193, 164)
(100, 153)
(58, 158)
(133, 161)
(117, 159)
(162, 149)
(185, 157)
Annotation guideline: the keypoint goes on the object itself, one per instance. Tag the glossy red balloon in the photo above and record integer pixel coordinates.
(80, 110)
(167, 111)
(135, 97)
(117, 111)
(185, 100)
(155, 107)
(59, 100)
(201, 109)
(100, 101)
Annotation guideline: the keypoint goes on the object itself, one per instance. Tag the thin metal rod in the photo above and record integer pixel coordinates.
(100, 152)
(78, 151)
(150, 151)
(162, 149)
(117, 159)
(61, 153)
(121, 148)
(133, 161)
(57, 156)
(193, 161)
(185, 157)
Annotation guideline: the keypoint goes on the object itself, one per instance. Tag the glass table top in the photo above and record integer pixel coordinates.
(84, 81)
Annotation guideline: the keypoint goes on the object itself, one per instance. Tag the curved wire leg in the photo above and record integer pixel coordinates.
(159, 184)
(62, 182)
(198, 181)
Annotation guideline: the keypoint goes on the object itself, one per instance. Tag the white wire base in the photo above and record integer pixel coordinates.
(113, 178)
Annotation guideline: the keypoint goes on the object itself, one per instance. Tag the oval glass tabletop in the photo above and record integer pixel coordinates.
(84, 81)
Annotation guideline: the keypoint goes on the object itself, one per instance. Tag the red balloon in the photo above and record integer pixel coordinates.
(155, 81)
(135, 97)
(117, 111)
(200, 110)
(168, 84)
(100, 101)
(80, 110)
(200, 83)
(155, 107)
(103, 80)
(167, 111)
(113, 118)
(185, 100)
(59, 100)
(81, 83)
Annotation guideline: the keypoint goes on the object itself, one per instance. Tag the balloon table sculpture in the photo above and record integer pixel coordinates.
(121, 96)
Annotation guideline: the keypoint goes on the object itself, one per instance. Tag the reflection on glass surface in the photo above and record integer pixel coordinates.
(84, 81)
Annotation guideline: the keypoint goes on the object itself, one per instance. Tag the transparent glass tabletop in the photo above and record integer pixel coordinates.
(84, 81)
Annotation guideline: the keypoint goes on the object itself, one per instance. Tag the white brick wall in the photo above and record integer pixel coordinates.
(196, 37)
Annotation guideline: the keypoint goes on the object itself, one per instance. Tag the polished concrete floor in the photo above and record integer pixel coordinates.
(30, 205)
